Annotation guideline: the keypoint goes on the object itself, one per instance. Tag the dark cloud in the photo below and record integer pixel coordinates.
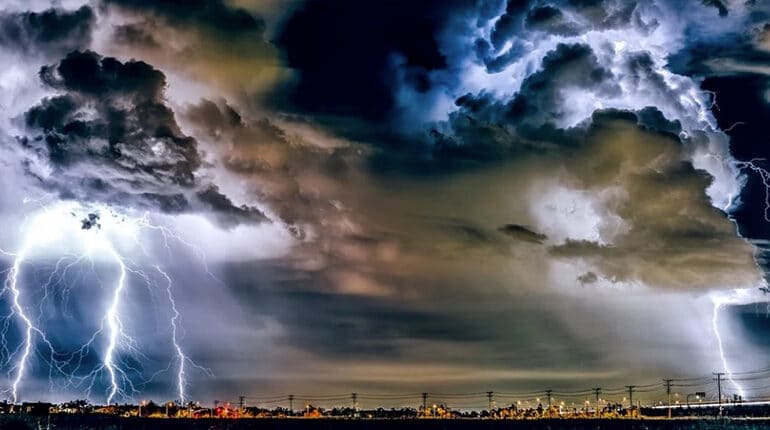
(695, 58)
(718, 5)
(362, 327)
(519, 232)
(358, 327)
(644, 77)
(744, 51)
(538, 101)
(652, 118)
(470, 141)
(568, 66)
(588, 278)
(135, 35)
(606, 14)
(211, 41)
(53, 31)
(224, 209)
(498, 63)
(489, 9)
(513, 29)
(470, 233)
(293, 166)
(669, 221)
(110, 137)
(214, 15)
(508, 24)
(550, 20)
(486, 128)
(89, 74)
(216, 119)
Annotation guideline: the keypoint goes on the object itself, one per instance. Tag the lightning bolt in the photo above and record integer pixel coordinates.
(719, 301)
(29, 329)
(115, 328)
(764, 175)
(738, 296)
(181, 379)
(118, 344)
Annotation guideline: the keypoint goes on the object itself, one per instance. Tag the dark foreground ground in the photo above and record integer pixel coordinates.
(114, 423)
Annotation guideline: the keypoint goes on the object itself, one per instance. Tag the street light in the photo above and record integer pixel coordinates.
(697, 395)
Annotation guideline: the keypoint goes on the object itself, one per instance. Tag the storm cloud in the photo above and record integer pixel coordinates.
(592, 168)
(109, 137)
(470, 192)
(212, 41)
(671, 235)
(52, 31)
(520, 232)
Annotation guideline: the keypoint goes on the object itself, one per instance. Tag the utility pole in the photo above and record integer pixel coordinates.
(719, 376)
(291, 404)
(548, 395)
(597, 392)
(631, 395)
(241, 401)
(668, 393)
(354, 397)
(489, 398)
(425, 403)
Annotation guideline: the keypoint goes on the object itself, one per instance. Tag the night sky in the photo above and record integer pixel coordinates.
(390, 196)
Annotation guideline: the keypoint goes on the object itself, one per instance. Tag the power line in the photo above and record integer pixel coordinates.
(664, 388)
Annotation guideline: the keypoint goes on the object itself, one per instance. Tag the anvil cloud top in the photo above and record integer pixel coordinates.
(219, 197)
